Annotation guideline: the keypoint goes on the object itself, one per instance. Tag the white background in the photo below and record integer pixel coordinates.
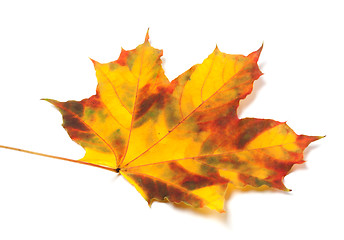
(44, 53)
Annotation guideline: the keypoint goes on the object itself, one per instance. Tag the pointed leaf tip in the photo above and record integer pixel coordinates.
(51, 101)
(255, 55)
(216, 49)
(46, 99)
(93, 61)
(304, 140)
(147, 36)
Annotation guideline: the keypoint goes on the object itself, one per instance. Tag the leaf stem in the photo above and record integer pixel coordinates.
(56, 157)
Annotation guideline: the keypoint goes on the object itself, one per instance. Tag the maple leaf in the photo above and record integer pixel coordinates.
(181, 141)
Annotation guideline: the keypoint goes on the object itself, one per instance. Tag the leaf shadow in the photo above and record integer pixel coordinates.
(309, 149)
(115, 177)
(303, 166)
(298, 167)
(204, 212)
(225, 217)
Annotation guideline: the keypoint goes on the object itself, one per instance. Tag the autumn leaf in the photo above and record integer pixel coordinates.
(181, 141)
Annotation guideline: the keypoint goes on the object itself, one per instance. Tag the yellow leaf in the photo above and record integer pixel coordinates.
(181, 141)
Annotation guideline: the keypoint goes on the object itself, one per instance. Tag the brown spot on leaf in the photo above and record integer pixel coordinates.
(251, 128)
(75, 107)
(70, 121)
(192, 181)
(253, 181)
(159, 190)
(93, 102)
